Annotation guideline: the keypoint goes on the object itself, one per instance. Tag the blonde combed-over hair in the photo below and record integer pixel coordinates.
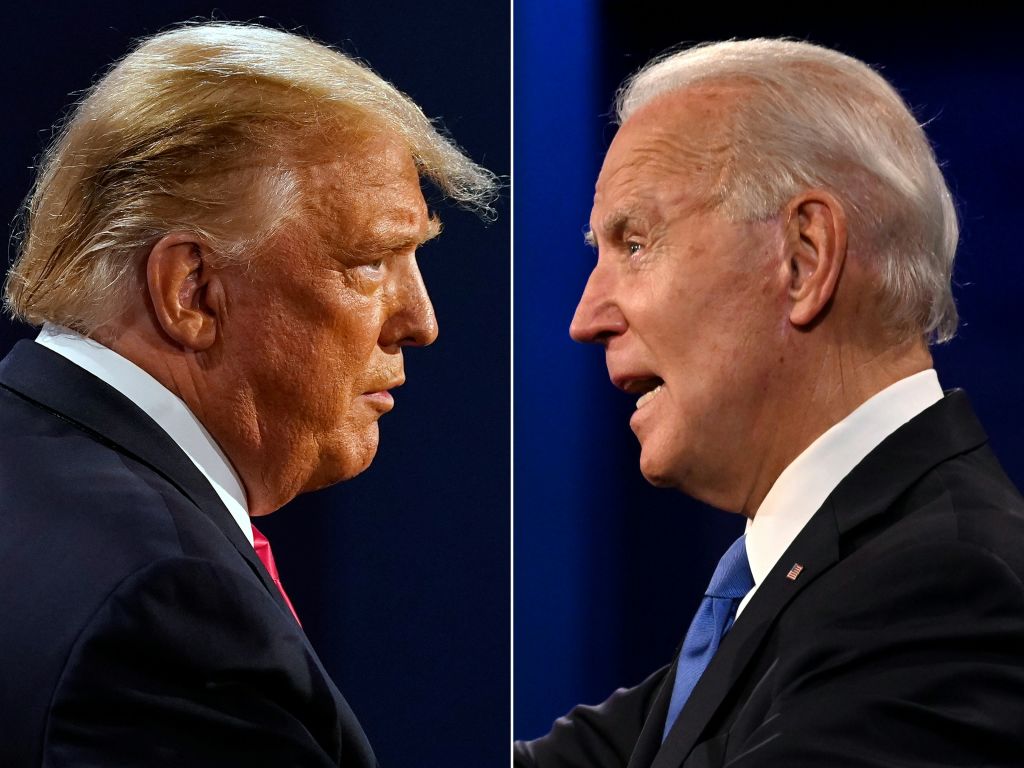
(811, 117)
(202, 128)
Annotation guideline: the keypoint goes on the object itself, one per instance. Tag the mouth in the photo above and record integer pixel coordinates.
(382, 396)
(646, 397)
(648, 387)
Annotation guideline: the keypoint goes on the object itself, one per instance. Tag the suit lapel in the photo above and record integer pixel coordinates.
(50, 381)
(942, 431)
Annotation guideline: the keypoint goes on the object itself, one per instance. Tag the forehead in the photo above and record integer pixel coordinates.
(666, 153)
(368, 192)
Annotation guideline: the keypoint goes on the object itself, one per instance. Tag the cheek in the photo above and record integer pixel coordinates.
(332, 332)
(310, 342)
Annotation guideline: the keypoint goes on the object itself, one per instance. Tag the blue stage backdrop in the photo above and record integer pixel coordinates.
(401, 576)
(608, 570)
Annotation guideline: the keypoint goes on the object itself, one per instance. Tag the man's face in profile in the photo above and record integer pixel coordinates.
(319, 321)
(684, 300)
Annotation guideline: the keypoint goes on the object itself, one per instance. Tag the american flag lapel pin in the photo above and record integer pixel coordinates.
(794, 571)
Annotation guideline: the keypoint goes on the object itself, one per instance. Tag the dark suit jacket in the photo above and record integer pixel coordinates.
(901, 642)
(137, 625)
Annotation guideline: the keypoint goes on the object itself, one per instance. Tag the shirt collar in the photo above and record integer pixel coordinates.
(805, 484)
(161, 405)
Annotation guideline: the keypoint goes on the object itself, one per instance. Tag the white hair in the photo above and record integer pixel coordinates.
(813, 117)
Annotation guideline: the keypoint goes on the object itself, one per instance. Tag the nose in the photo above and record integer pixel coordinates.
(598, 317)
(412, 322)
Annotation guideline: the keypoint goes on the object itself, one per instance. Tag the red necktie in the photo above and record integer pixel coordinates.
(267, 558)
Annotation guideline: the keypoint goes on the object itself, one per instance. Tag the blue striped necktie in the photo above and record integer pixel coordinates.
(729, 584)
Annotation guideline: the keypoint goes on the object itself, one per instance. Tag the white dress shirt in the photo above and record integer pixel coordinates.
(805, 484)
(161, 405)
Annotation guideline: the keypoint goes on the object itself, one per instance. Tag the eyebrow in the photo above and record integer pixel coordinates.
(617, 221)
(434, 228)
(403, 241)
(614, 223)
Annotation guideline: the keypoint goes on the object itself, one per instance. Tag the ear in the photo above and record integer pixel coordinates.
(186, 294)
(816, 251)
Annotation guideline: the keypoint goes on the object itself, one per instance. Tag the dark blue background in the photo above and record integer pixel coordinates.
(401, 576)
(608, 570)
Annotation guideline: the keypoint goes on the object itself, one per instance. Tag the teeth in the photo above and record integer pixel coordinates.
(648, 396)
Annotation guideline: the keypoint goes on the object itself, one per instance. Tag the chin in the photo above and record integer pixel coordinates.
(656, 469)
(668, 465)
(683, 473)
(347, 461)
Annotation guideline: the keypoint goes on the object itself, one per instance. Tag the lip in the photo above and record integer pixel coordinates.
(382, 398)
(642, 414)
(635, 383)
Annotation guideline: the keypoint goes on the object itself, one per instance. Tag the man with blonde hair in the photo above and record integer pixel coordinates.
(775, 244)
(221, 251)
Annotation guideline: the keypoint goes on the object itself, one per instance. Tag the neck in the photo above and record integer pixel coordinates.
(197, 379)
(834, 381)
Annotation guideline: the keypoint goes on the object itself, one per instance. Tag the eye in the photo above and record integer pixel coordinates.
(633, 248)
(372, 266)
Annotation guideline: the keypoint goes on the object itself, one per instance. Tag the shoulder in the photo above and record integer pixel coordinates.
(986, 507)
(183, 662)
(951, 540)
(938, 574)
(184, 607)
(908, 646)
(84, 528)
(66, 489)
(964, 513)
(78, 517)
(63, 493)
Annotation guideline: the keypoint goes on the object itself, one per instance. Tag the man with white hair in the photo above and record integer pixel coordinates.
(221, 251)
(775, 244)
